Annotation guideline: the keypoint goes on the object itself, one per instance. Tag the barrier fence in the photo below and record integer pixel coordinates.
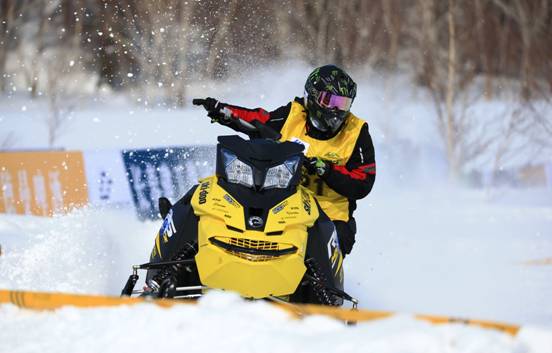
(48, 182)
(167, 172)
(42, 183)
(51, 301)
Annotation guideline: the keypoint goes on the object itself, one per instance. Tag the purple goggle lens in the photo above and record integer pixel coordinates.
(332, 101)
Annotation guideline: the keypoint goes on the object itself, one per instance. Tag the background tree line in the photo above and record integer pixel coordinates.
(167, 43)
(157, 48)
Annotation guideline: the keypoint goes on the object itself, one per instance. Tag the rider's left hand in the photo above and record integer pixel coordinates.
(317, 166)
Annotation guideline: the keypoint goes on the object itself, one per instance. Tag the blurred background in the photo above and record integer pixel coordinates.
(455, 93)
(481, 69)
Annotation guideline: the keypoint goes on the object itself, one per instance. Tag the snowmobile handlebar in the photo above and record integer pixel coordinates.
(198, 101)
(265, 131)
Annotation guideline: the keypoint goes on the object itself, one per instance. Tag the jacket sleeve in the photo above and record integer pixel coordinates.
(274, 119)
(356, 178)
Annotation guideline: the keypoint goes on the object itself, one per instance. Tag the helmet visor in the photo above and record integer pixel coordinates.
(332, 101)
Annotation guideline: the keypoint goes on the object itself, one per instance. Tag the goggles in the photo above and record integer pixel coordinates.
(333, 101)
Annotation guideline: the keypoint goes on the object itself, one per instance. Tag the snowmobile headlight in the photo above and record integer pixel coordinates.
(236, 171)
(280, 175)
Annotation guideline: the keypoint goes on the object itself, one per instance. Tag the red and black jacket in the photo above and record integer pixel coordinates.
(354, 180)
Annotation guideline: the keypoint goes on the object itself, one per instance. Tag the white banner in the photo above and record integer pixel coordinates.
(106, 178)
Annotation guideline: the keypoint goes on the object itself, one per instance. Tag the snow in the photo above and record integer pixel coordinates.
(454, 253)
(463, 255)
(224, 323)
(422, 246)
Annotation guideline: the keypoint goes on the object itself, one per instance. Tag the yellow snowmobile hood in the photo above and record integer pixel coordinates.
(256, 264)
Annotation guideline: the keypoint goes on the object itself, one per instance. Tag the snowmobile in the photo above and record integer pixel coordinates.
(251, 228)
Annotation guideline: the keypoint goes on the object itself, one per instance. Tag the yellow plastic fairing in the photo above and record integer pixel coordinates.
(253, 263)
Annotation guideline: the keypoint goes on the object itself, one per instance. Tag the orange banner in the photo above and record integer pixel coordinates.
(50, 301)
(41, 183)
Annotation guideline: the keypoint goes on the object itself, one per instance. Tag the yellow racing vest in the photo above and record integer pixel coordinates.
(338, 150)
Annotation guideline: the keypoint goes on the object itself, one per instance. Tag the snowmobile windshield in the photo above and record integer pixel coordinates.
(278, 176)
(259, 164)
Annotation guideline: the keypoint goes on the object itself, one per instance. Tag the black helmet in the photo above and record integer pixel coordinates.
(329, 93)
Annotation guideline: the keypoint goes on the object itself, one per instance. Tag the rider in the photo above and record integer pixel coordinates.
(340, 164)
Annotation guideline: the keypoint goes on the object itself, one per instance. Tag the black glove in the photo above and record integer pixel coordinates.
(346, 242)
(317, 166)
(216, 110)
(346, 232)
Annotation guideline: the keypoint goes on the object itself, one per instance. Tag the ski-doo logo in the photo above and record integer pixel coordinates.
(203, 191)
(255, 222)
(306, 202)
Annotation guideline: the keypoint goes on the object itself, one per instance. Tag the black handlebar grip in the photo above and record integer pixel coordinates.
(198, 101)
(266, 131)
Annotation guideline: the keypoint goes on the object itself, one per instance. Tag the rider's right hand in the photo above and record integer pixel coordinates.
(215, 109)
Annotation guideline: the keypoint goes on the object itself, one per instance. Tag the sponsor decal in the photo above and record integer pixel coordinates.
(333, 248)
(230, 200)
(332, 156)
(280, 207)
(306, 201)
(203, 192)
(167, 228)
(255, 222)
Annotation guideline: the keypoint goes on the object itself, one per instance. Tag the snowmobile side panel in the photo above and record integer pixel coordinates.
(325, 250)
(298, 209)
(210, 199)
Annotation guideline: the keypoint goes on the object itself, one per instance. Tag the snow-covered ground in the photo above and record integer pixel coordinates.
(462, 255)
(224, 323)
(422, 247)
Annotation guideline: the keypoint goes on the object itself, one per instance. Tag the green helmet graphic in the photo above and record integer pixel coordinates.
(329, 93)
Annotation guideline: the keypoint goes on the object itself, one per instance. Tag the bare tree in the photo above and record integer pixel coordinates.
(428, 44)
(156, 34)
(60, 101)
(30, 53)
(448, 125)
(465, 137)
(12, 16)
(392, 28)
(531, 17)
(484, 57)
(219, 42)
(58, 117)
